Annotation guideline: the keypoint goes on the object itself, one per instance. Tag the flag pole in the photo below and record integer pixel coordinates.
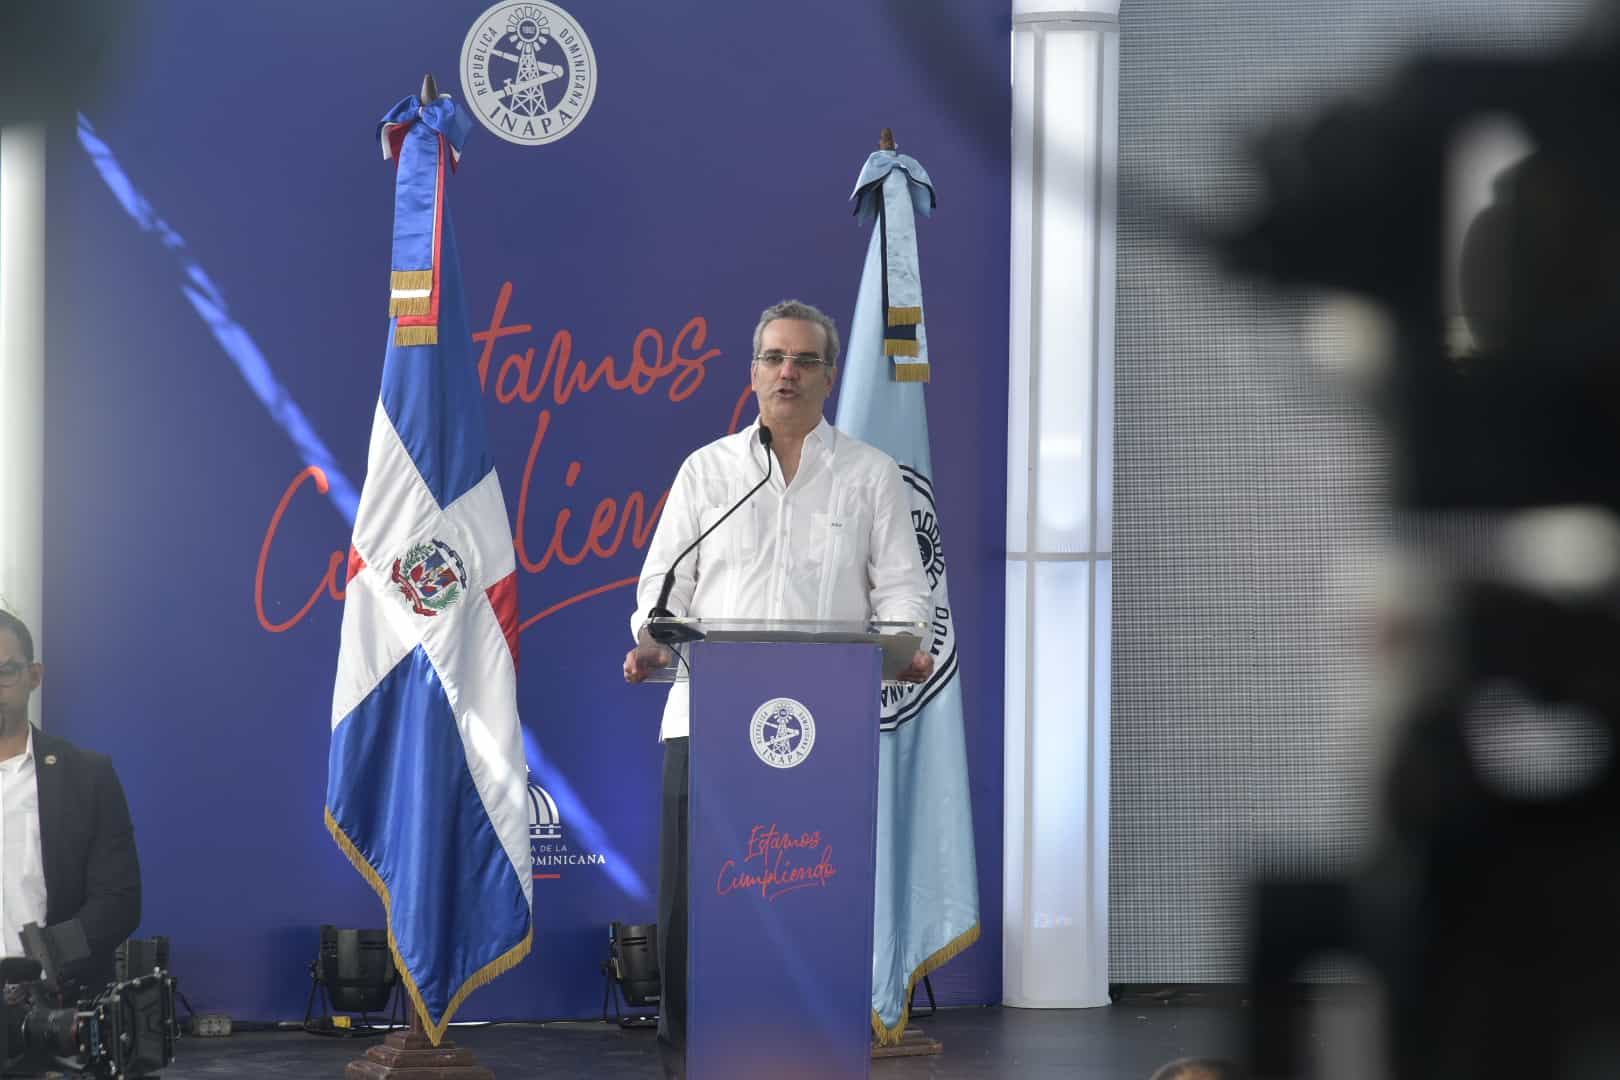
(418, 1039)
(886, 140)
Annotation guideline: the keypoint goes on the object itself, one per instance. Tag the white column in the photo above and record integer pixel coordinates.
(1065, 129)
(22, 375)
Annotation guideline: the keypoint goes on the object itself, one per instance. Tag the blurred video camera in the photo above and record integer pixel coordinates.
(127, 1030)
(1486, 911)
(1374, 198)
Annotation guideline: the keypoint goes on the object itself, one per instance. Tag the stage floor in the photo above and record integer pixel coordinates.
(1121, 1042)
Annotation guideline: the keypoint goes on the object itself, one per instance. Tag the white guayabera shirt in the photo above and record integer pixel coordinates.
(836, 544)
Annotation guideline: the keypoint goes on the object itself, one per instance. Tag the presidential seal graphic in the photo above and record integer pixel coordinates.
(902, 701)
(430, 576)
(783, 733)
(528, 72)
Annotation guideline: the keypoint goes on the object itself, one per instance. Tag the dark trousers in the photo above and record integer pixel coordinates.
(672, 910)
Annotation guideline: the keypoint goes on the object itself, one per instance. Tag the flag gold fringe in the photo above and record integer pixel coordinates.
(905, 316)
(409, 305)
(411, 279)
(496, 967)
(416, 335)
(887, 1036)
(912, 372)
(899, 347)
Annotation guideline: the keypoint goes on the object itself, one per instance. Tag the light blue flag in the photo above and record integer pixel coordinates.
(927, 883)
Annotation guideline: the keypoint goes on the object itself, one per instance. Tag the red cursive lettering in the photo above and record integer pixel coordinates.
(737, 413)
(517, 380)
(495, 332)
(328, 584)
(679, 364)
(632, 520)
(763, 839)
(779, 870)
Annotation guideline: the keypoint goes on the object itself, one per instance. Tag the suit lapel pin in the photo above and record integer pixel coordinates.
(50, 759)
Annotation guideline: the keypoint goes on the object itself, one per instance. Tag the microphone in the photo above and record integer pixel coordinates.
(660, 610)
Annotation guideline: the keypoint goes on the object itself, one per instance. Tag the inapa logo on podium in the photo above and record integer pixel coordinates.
(528, 72)
(783, 733)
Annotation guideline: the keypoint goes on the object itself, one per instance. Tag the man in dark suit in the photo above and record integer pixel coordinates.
(68, 845)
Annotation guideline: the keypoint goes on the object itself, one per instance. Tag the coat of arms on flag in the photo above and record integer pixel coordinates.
(430, 576)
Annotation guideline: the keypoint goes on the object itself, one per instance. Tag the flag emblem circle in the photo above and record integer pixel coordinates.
(782, 732)
(430, 576)
(929, 545)
(902, 701)
(528, 72)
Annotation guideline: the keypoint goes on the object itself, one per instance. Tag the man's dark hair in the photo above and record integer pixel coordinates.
(1201, 1069)
(8, 621)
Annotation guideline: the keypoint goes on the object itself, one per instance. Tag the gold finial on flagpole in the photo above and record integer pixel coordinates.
(886, 139)
(430, 90)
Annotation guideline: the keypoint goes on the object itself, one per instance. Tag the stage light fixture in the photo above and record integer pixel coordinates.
(354, 971)
(630, 973)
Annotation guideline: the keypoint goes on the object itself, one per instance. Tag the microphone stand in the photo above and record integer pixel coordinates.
(672, 635)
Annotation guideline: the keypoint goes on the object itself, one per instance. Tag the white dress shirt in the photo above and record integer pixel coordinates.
(836, 544)
(22, 870)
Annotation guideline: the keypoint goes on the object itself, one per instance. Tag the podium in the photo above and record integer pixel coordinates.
(782, 842)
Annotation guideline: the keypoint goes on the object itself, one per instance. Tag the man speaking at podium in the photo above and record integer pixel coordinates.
(826, 536)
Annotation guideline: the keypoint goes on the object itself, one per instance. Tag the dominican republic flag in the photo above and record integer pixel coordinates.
(427, 783)
(927, 907)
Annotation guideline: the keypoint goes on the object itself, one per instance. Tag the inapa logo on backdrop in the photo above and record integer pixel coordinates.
(528, 72)
(548, 851)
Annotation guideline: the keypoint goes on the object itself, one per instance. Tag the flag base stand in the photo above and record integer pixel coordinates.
(411, 1055)
(913, 1043)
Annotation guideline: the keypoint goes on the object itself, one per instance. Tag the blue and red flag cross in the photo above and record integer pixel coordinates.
(427, 784)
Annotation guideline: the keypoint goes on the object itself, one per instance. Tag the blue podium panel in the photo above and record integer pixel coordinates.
(783, 849)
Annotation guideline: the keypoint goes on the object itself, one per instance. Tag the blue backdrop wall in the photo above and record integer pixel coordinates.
(219, 228)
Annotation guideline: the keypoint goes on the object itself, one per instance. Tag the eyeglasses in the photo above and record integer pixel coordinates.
(12, 673)
(774, 358)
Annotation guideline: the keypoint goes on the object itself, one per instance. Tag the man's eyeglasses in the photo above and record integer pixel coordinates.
(774, 358)
(12, 673)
